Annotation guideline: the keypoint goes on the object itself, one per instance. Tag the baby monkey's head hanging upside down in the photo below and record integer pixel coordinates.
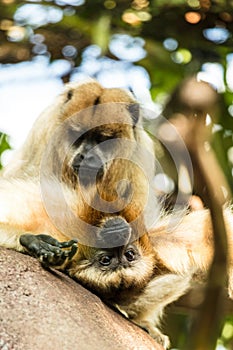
(84, 174)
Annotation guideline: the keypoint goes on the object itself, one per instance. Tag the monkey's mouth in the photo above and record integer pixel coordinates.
(89, 175)
(115, 232)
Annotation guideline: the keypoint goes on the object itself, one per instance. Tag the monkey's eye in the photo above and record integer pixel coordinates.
(102, 138)
(105, 260)
(130, 254)
(69, 95)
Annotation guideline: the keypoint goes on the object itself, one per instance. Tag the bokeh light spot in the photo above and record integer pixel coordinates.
(181, 56)
(109, 4)
(218, 35)
(131, 18)
(194, 3)
(127, 47)
(170, 44)
(69, 51)
(16, 33)
(192, 17)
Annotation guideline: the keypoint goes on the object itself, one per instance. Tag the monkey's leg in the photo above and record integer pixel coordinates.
(147, 310)
(48, 250)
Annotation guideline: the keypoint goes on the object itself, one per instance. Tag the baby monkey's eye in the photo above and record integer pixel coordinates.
(105, 260)
(130, 254)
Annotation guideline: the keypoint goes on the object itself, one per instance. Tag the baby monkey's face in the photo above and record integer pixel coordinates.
(112, 271)
(116, 258)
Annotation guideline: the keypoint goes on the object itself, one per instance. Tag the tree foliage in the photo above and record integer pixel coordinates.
(4, 145)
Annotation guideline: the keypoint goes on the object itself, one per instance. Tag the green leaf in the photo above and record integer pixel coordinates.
(4, 145)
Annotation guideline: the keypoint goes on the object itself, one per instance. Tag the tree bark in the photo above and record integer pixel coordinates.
(43, 310)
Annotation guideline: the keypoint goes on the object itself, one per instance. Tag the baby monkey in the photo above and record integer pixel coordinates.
(77, 195)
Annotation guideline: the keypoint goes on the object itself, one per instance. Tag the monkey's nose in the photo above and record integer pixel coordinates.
(115, 232)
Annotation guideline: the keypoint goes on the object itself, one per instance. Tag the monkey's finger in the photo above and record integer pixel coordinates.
(45, 248)
(68, 243)
(50, 260)
(69, 253)
(48, 239)
(72, 251)
(46, 256)
(36, 245)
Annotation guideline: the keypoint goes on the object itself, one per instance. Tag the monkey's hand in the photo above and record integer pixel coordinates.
(155, 333)
(49, 251)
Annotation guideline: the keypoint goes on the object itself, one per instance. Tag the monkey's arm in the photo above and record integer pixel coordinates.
(147, 310)
(25, 225)
(48, 250)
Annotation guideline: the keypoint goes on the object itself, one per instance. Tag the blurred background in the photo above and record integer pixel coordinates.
(149, 47)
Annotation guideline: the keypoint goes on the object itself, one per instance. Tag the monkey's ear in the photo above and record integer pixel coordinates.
(134, 110)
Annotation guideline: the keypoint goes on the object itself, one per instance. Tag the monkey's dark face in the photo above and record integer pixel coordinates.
(95, 150)
(115, 258)
(97, 133)
(92, 153)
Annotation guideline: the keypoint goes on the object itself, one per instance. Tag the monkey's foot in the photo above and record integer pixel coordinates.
(162, 339)
(159, 337)
(154, 332)
(48, 250)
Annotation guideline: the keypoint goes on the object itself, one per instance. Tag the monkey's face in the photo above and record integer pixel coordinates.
(112, 272)
(95, 150)
(106, 127)
(113, 259)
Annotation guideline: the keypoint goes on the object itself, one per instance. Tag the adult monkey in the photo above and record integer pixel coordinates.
(76, 145)
(69, 180)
